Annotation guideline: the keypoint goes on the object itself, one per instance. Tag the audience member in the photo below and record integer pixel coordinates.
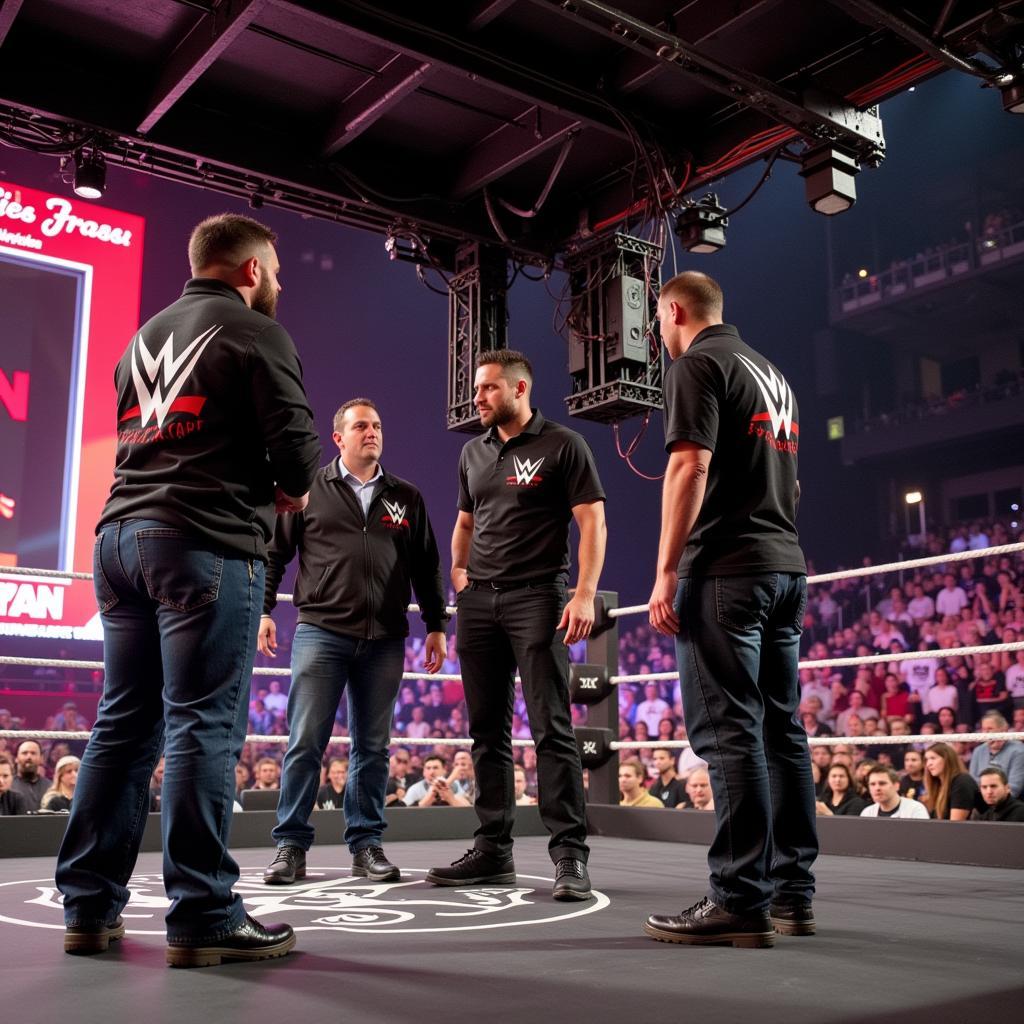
(841, 797)
(883, 785)
(999, 800)
(11, 802)
(267, 773)
(30, 781)
(331, 794)
(698, 792)
(912, 780)
(950, 793)
(65, 776)
(631, 775)
(523, 799)
(667, 786)
(1005, 754)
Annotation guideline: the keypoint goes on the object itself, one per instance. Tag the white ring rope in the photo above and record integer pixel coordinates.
(871, 570)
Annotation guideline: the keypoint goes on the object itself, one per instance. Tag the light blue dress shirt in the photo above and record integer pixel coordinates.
(364, 492)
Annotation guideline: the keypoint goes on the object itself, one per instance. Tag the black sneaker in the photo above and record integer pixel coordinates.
(793, 918)
(707, 924)
(249, 941)
(571, 880)
(85, 940)
(475, 868)
(288, 865)
(371, 863)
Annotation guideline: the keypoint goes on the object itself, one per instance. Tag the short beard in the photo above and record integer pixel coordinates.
(265, 299)
(502, 414)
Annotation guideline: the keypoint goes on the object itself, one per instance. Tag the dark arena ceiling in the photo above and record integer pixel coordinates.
(532, 124)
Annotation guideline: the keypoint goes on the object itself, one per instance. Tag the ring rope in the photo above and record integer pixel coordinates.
(393, 741)
(871, 570)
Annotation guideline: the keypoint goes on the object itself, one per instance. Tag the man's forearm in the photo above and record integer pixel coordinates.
(462, 538)
(593, 541)
(681, 500)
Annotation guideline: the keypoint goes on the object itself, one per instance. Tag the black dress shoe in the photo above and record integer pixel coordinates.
(371, 863)
(249, 941)
(571, 880)
(707, 924)
(475, 868)
(88, 939)
(793, 918)
(286, 867)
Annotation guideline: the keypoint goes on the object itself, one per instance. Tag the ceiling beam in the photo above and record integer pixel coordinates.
(374, 98)
(510, 146)
(211, 35)
(509, 75)
(485, 11)
(8, 12)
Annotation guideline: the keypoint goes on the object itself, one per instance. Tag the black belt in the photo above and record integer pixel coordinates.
(517, 585)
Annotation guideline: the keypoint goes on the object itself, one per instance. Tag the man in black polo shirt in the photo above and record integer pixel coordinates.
(520, 485)
(731, 587)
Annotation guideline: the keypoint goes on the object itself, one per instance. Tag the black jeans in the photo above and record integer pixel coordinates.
(498, 630)
(737, 651)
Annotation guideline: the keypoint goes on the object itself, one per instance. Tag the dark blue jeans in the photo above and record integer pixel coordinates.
(324, 665)
(179, 629)
(496, 631)
(737, 651)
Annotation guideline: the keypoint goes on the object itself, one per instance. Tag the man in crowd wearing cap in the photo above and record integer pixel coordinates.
(31, 781)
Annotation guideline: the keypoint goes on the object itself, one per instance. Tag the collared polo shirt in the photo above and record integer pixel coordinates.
(521, 494)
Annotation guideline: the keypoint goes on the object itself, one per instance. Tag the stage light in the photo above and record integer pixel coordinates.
(1013, 97)
(828, 180)
(862, 273)
(701, 225)
(90, 174)
(913, 497)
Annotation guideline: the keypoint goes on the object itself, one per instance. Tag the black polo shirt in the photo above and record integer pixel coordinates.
(724, 396)
(521, 495)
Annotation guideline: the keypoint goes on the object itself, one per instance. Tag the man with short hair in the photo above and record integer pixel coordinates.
(699, 796)
(912, 783)
(652, 709)
(521, 483)
(31, 782)
(214, 435)
(1005, 754)
(11, 802)
(523, 799)
(883, 785)
(400, 776)
(331, 794)
(365, 543)
(996, 792)
(731, 586)
(951, 599)
(631, 776)
(667, 787)
(266, 773)
(434, 789)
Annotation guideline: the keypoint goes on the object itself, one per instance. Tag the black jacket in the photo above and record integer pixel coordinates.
(355, 572)
(211, 414)
(1008, 810)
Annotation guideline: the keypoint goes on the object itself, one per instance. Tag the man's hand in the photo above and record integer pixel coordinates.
(577, 618)
(286, 503)
(661, 607)
(266, 638)
(460, 580)
(435, 650)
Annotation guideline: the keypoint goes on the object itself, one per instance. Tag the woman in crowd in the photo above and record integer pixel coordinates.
(65, 776)
(896, 698)
(946, 720)
(841, 796)
(949, 791)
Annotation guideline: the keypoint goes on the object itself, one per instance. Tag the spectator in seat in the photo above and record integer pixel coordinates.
(631, 776)
(952, 598)
(523, 799)
(950, 793)
(1007, 755)
(667, 786)
(912, 779)
(331, 794)
(434, 789)
(842, 797)
(652, 709)
(463, 779)
(821, 758)
(896, 698)
(698, 792)
(883, 785)
(65, 776)
(261, 721)
(995, 791)
(242, 776)
(989, 693)
(267, 773)
(11, 802)
(418, 727)
(857, 709)
(276, 702)
(30, 782)
(942, 695)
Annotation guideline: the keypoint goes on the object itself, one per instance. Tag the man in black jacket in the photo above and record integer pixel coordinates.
(214, 431)
(364, 542)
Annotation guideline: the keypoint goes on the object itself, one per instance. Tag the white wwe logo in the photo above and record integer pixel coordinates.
(156, 398)
(777, 396)
(396, 512)
(526, 469)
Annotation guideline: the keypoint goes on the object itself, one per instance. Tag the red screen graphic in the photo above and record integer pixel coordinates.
(70, 281)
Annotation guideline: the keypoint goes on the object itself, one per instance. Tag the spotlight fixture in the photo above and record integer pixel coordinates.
(828, 175)
(701, 225)
(90, 174)
(1013, 97)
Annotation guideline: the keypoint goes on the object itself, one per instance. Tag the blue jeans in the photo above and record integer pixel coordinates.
(323, 665)
(179, 627)
(737, 651)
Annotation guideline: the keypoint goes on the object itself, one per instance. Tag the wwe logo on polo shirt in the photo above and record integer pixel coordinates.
(160, 378)
(526, 472)
(396, 513)
(778, 397)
